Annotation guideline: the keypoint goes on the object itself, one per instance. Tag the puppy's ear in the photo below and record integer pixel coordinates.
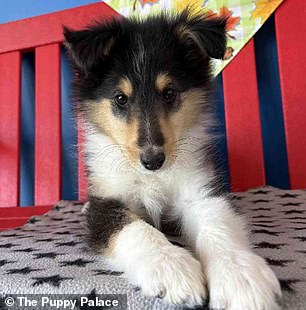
(203, 32)
(91, 46)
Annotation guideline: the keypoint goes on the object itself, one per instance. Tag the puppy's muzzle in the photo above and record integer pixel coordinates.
(152, 159)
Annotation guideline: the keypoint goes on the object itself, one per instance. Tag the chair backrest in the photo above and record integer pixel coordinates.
(243, 108)
(43, 35)
(246, 114)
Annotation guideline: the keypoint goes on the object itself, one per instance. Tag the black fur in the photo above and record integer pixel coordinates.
(104, 217)
(179, 44)
(156, 137)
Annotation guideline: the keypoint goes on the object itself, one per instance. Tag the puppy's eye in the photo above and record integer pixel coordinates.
(169, 95)
(121, 100)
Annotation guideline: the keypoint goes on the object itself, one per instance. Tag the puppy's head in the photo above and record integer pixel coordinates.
(145, 83)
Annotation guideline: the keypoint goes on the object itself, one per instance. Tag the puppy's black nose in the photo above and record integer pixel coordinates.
(152, 161)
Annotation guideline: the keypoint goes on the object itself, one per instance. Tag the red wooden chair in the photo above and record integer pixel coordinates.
(242, 104)
(43, 34)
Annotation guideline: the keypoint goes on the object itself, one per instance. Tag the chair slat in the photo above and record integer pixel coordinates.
(243, 130)
(10, 74)
(290, 25)
(47, 125)
(9, 223)
(17, 212)
(15, 216)
(48, 28)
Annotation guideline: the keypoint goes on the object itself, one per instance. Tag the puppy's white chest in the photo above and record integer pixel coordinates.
(149, 188)
(149, 193)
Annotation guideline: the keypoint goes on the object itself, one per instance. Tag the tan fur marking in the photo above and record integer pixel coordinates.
(125, 133)
(109, 45)
(122, 132)
(126, 87)
(174, 126)
(162, 80)
(188, 114)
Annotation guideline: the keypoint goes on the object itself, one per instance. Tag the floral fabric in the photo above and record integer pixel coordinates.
(245, 16)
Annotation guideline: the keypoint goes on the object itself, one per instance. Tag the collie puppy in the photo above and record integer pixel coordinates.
(144, 92)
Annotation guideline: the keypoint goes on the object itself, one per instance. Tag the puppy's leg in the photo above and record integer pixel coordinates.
(237, 278)
(149, 260)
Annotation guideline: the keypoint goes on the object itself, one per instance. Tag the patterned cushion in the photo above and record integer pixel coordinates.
(48, 255)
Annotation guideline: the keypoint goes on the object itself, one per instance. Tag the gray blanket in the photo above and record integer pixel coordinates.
(48, 255)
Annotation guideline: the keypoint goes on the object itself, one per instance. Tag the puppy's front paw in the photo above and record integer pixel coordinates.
(242, 281)
(174, 275)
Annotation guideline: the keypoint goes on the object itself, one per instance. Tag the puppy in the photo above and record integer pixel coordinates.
(144, 89)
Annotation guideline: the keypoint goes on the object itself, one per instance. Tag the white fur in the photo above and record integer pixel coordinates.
(237, 278)
(113, 176)
(159, 268)
(85, 207)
